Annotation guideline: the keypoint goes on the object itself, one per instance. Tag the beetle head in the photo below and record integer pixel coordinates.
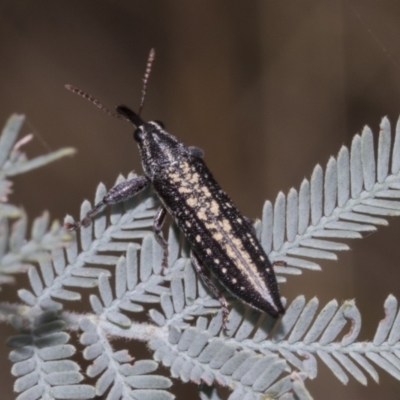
(158, 148)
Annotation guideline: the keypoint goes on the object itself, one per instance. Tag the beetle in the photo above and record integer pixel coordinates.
(221, 238)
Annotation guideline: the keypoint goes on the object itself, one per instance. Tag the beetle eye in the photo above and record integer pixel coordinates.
(138, 135)
(160, 123)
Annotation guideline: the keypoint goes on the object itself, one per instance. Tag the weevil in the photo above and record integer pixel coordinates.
(221, 238)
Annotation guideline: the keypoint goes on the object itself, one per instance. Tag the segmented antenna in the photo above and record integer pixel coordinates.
(94, 101)
(149, 64)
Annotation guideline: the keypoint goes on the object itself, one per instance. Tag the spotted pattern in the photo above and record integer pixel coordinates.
(218, 234)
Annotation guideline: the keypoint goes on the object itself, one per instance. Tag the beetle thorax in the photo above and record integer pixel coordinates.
(159, 150)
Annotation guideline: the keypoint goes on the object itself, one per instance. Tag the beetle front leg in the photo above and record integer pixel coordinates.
(159, 219)
(207, 281)
(119, 193)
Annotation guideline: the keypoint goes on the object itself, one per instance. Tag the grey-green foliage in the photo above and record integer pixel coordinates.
(41, 359)
(353, 195)
(16, 251)
(119, 260)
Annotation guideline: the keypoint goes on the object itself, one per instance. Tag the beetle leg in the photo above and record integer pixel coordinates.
(279, 263)
(214, 290)
(119, 193)
(159, 219)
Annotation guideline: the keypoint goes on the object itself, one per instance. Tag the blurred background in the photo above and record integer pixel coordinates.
(267, 88)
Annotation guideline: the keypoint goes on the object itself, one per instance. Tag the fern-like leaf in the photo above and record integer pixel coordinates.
(253, 357)
(41, 361)
(234, 358)
(117, 373)
(17, 254)
(351, 197)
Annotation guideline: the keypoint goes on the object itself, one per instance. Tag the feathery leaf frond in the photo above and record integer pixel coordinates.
(116, 370)
(119, 260)
(354, 195)
(16, 253)
(41, 360)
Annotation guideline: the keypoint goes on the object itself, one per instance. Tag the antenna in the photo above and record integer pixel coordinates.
(94, 101)
(146, 76)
